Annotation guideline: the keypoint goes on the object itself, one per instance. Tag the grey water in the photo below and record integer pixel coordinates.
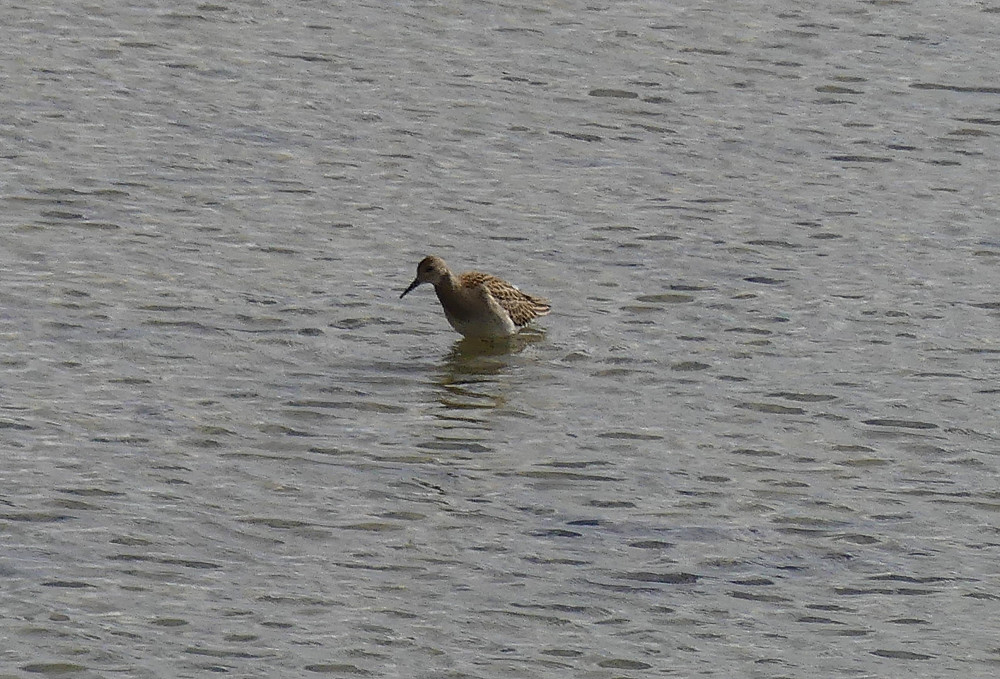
(756, 437)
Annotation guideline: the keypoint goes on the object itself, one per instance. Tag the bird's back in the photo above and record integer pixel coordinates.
(520, 306)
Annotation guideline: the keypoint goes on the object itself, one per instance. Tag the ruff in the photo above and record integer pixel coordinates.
(478, 304)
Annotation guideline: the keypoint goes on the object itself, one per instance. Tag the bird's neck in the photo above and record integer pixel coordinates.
(448, 282)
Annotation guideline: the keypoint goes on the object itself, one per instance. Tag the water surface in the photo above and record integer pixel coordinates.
(756, 437)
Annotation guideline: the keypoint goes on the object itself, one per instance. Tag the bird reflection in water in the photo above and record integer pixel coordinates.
(476, 372)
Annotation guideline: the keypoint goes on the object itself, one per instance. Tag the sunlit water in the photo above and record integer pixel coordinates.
(757, 436)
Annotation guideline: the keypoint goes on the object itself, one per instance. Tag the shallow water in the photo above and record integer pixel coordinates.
(756, 437)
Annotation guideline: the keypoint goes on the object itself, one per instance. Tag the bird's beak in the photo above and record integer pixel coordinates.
(414, 284)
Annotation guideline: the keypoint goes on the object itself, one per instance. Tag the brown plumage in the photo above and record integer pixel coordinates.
(478, 304)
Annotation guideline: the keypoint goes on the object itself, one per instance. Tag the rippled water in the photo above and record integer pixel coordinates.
(757, 437)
